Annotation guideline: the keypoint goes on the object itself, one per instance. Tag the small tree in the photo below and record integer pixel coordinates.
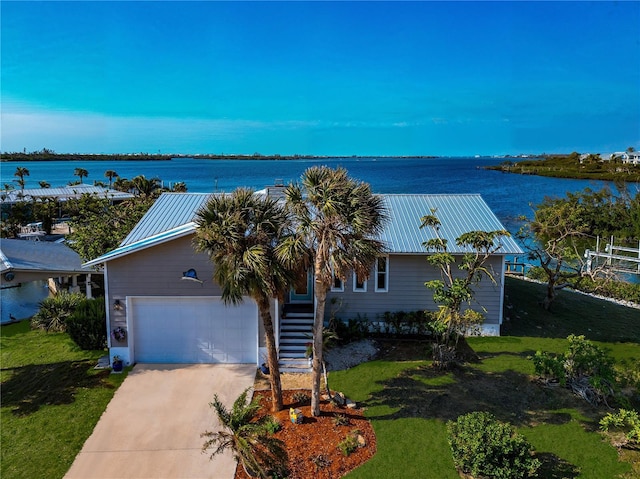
(458, 277)
(249, 439)
(561, 230)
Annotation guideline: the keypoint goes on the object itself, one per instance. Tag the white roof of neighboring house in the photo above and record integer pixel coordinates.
(39, 256)
(173, 214)
(63, 193)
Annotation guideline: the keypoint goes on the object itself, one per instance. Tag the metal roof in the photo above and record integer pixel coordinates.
(62, 193)
(169, 211)
(38, 256)
(458, 214)
(173, 214)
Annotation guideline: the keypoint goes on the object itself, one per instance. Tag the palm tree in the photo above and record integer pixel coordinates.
(250, 440)
(44, 184)
(20, 173)
(144, 186)
(111, 174)
(80, 173)
(337, 221)
(179, 187)
(240, 232)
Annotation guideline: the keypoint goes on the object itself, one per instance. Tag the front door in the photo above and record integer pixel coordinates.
(302, 291)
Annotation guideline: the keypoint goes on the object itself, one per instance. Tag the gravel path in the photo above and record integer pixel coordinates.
(350, 355)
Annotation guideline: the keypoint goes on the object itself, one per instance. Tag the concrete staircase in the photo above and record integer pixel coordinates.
(296, 330)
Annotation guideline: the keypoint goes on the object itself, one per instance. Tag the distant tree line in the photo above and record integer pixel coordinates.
(49, 155)
(574, 165)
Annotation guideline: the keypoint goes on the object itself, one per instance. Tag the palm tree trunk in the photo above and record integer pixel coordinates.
(272, 355)
(318, 326)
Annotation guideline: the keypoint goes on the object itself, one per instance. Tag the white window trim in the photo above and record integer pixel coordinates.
(386, 277)
(333, 282)
(355, 282)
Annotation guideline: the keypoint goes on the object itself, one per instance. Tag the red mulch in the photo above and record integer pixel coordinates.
(317, 436)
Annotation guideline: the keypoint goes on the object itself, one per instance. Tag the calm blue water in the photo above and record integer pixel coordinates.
(508, 195)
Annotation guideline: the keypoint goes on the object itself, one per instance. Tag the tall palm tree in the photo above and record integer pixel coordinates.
(111, 174)
(240, 232)
(338, 220)
(80, 173)
(20, 173)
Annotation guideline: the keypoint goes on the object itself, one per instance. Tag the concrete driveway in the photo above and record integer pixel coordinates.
(152, 426)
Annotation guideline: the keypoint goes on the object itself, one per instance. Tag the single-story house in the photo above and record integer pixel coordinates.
(164, 306)
(23, 261)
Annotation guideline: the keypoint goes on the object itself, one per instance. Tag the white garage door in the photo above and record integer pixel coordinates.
(194, 330)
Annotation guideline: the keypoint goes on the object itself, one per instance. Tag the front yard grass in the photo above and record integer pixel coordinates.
(52, 399)
(409, 402)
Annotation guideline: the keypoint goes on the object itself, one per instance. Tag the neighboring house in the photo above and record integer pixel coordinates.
(60, 194)
(160, 291)
(23, 261)
(627, 157)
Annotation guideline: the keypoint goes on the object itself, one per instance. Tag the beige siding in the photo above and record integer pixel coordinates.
(407, 292)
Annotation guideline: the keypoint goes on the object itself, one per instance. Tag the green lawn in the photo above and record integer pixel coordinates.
(52, 399)
(409, 403)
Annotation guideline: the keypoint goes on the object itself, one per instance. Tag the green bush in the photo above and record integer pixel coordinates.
(549, 367)
(585, 367)
(87, 326)
(350, 443)
(401, 323)
(623, 426)
(55, 310)
(484, 447)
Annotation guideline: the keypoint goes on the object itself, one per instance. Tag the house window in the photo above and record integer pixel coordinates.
(359, 285)
(382, 274)
(337, 285)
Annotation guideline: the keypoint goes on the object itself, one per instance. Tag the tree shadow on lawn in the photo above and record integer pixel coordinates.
(511, 396)
(33, 386)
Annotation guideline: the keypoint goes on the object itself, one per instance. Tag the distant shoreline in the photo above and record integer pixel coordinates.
(37, 156)
(571, 166)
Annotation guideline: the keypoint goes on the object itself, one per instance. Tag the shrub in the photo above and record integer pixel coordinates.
(341, 420)
(549, 367)
(87, 325)
(352, 330)
(586, 368)
(321, 461)
(55, 310)
(301, 398)
(483, 446)
(350, 443)
(272, 424)
(623, 427)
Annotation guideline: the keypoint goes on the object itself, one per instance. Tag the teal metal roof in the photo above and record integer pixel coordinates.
(173, 214)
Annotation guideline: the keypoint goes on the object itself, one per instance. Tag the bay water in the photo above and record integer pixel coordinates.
(508, 195)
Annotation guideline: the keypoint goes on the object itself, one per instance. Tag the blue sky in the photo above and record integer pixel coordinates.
(323, 78)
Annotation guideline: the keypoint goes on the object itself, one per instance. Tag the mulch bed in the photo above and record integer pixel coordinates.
(317, 436)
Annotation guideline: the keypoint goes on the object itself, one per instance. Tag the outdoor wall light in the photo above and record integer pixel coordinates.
(117, 305)
(191, 275)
